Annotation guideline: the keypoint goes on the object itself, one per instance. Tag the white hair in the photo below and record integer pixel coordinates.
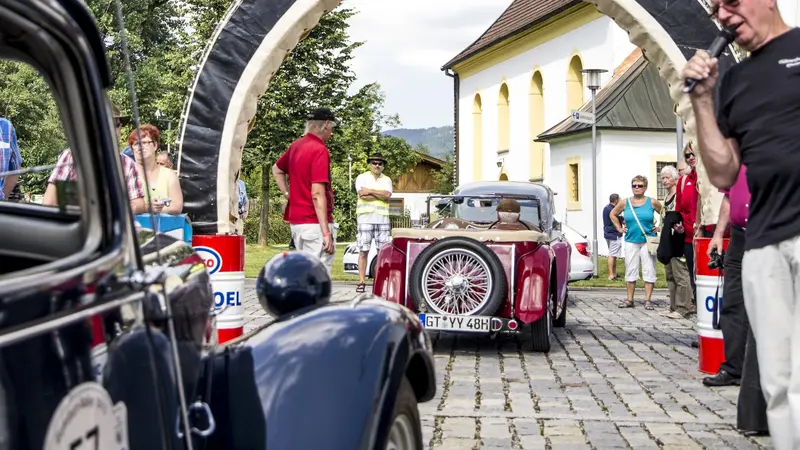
(669, 171)
(507, 217)
(317, 126)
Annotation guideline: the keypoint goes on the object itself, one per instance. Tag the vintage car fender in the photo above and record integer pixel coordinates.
(533, 279)
(324, 379)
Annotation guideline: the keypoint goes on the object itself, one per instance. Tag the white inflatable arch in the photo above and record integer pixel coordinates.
(256, 35)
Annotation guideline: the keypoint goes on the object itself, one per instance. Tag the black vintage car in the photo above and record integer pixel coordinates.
(81, 276)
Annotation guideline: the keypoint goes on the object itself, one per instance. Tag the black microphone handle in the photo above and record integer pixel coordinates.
(725, 37)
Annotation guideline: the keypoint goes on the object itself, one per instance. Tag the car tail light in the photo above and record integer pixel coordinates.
(583, 248)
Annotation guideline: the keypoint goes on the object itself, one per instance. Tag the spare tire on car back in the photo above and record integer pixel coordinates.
(458, 275)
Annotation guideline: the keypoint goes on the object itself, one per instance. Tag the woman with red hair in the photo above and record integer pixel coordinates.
(164, 191)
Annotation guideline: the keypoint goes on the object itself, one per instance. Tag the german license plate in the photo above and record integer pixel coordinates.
(477, 324)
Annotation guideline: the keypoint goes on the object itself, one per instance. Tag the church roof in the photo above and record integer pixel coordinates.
(635, 99)
(521, 15)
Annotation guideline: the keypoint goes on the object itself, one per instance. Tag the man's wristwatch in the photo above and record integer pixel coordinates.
(286, 194)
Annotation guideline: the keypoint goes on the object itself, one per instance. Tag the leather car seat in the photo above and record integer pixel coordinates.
(510, 226)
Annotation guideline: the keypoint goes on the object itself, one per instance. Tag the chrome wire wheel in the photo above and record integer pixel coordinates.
(456, 281)
(401, 436)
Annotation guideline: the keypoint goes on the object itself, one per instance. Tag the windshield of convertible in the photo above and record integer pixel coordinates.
(484, 210)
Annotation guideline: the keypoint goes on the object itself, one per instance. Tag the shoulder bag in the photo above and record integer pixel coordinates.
(652, 241)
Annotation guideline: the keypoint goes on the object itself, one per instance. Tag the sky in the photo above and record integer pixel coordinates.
(407, 43)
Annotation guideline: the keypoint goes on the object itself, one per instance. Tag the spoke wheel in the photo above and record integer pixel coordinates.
(458, 276)
(457, 281)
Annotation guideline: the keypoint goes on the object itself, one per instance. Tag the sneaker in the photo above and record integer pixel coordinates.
(674, 315)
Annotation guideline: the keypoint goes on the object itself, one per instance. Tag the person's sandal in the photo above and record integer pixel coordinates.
(648, 305)
(626, 304)
(361, 288)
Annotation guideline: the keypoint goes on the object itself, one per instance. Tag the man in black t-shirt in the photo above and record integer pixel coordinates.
(757, 123)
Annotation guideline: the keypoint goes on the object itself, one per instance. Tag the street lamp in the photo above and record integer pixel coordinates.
(593, 83)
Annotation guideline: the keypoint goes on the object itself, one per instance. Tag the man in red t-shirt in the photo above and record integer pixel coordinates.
(309, 207)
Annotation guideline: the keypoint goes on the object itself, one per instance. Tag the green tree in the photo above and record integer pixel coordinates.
(26, 101)
(444, 178)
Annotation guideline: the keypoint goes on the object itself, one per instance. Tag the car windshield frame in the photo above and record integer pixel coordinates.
(462, 202)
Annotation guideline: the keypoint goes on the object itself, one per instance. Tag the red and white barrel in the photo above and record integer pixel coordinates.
(224, 257)
(711, 349)
(99, 353)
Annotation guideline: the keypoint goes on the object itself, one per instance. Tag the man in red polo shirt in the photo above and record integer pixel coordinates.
(309, 208)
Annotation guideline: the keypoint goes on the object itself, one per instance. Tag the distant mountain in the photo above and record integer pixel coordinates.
(439, 140)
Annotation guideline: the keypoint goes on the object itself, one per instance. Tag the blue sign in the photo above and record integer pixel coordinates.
(230, 298)
(177, 226)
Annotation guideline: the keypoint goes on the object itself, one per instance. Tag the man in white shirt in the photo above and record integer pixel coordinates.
(374, 190)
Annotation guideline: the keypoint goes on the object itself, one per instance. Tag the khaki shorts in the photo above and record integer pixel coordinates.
(308, 238)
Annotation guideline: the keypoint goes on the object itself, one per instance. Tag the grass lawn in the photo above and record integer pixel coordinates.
(257, 255)
(602, 276)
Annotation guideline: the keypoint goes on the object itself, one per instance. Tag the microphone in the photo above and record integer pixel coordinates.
(723, 39)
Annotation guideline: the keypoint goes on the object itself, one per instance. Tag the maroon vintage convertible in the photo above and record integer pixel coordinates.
(469, 273)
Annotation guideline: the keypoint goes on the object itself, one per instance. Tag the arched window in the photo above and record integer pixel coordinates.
(574, 84)
(536, 100)
(477, 139)
(503, 122)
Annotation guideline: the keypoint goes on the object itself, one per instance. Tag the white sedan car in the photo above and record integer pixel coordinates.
(580, 268)
(350, 260)
(581, 262)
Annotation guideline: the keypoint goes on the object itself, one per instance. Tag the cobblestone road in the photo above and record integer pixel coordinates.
(615, 378)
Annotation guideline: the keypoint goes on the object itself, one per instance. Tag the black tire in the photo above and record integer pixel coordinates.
(405, 413)
(542, 330)
(561, 320)
(497, 274)
(371, 273)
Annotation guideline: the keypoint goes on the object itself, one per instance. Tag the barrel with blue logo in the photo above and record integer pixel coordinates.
(224, 258)
(709, 282)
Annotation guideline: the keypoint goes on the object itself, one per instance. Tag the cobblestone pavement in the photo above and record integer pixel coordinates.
(615, 378)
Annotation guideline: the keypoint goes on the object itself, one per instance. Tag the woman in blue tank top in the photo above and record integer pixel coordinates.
(639, 212)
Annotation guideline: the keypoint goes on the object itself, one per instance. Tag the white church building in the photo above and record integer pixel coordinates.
(519, 83)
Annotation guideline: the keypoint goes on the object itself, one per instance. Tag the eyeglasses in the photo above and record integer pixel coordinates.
(689, 155)
(723, 3)
(377, 163)
(637, 186)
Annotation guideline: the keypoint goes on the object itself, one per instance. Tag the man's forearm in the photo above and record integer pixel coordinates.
(321, 208)
(10, 184)
(724, 217)
(719, 159)
(280, 179)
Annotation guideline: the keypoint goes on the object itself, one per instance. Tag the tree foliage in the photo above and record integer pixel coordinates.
(163, 53)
